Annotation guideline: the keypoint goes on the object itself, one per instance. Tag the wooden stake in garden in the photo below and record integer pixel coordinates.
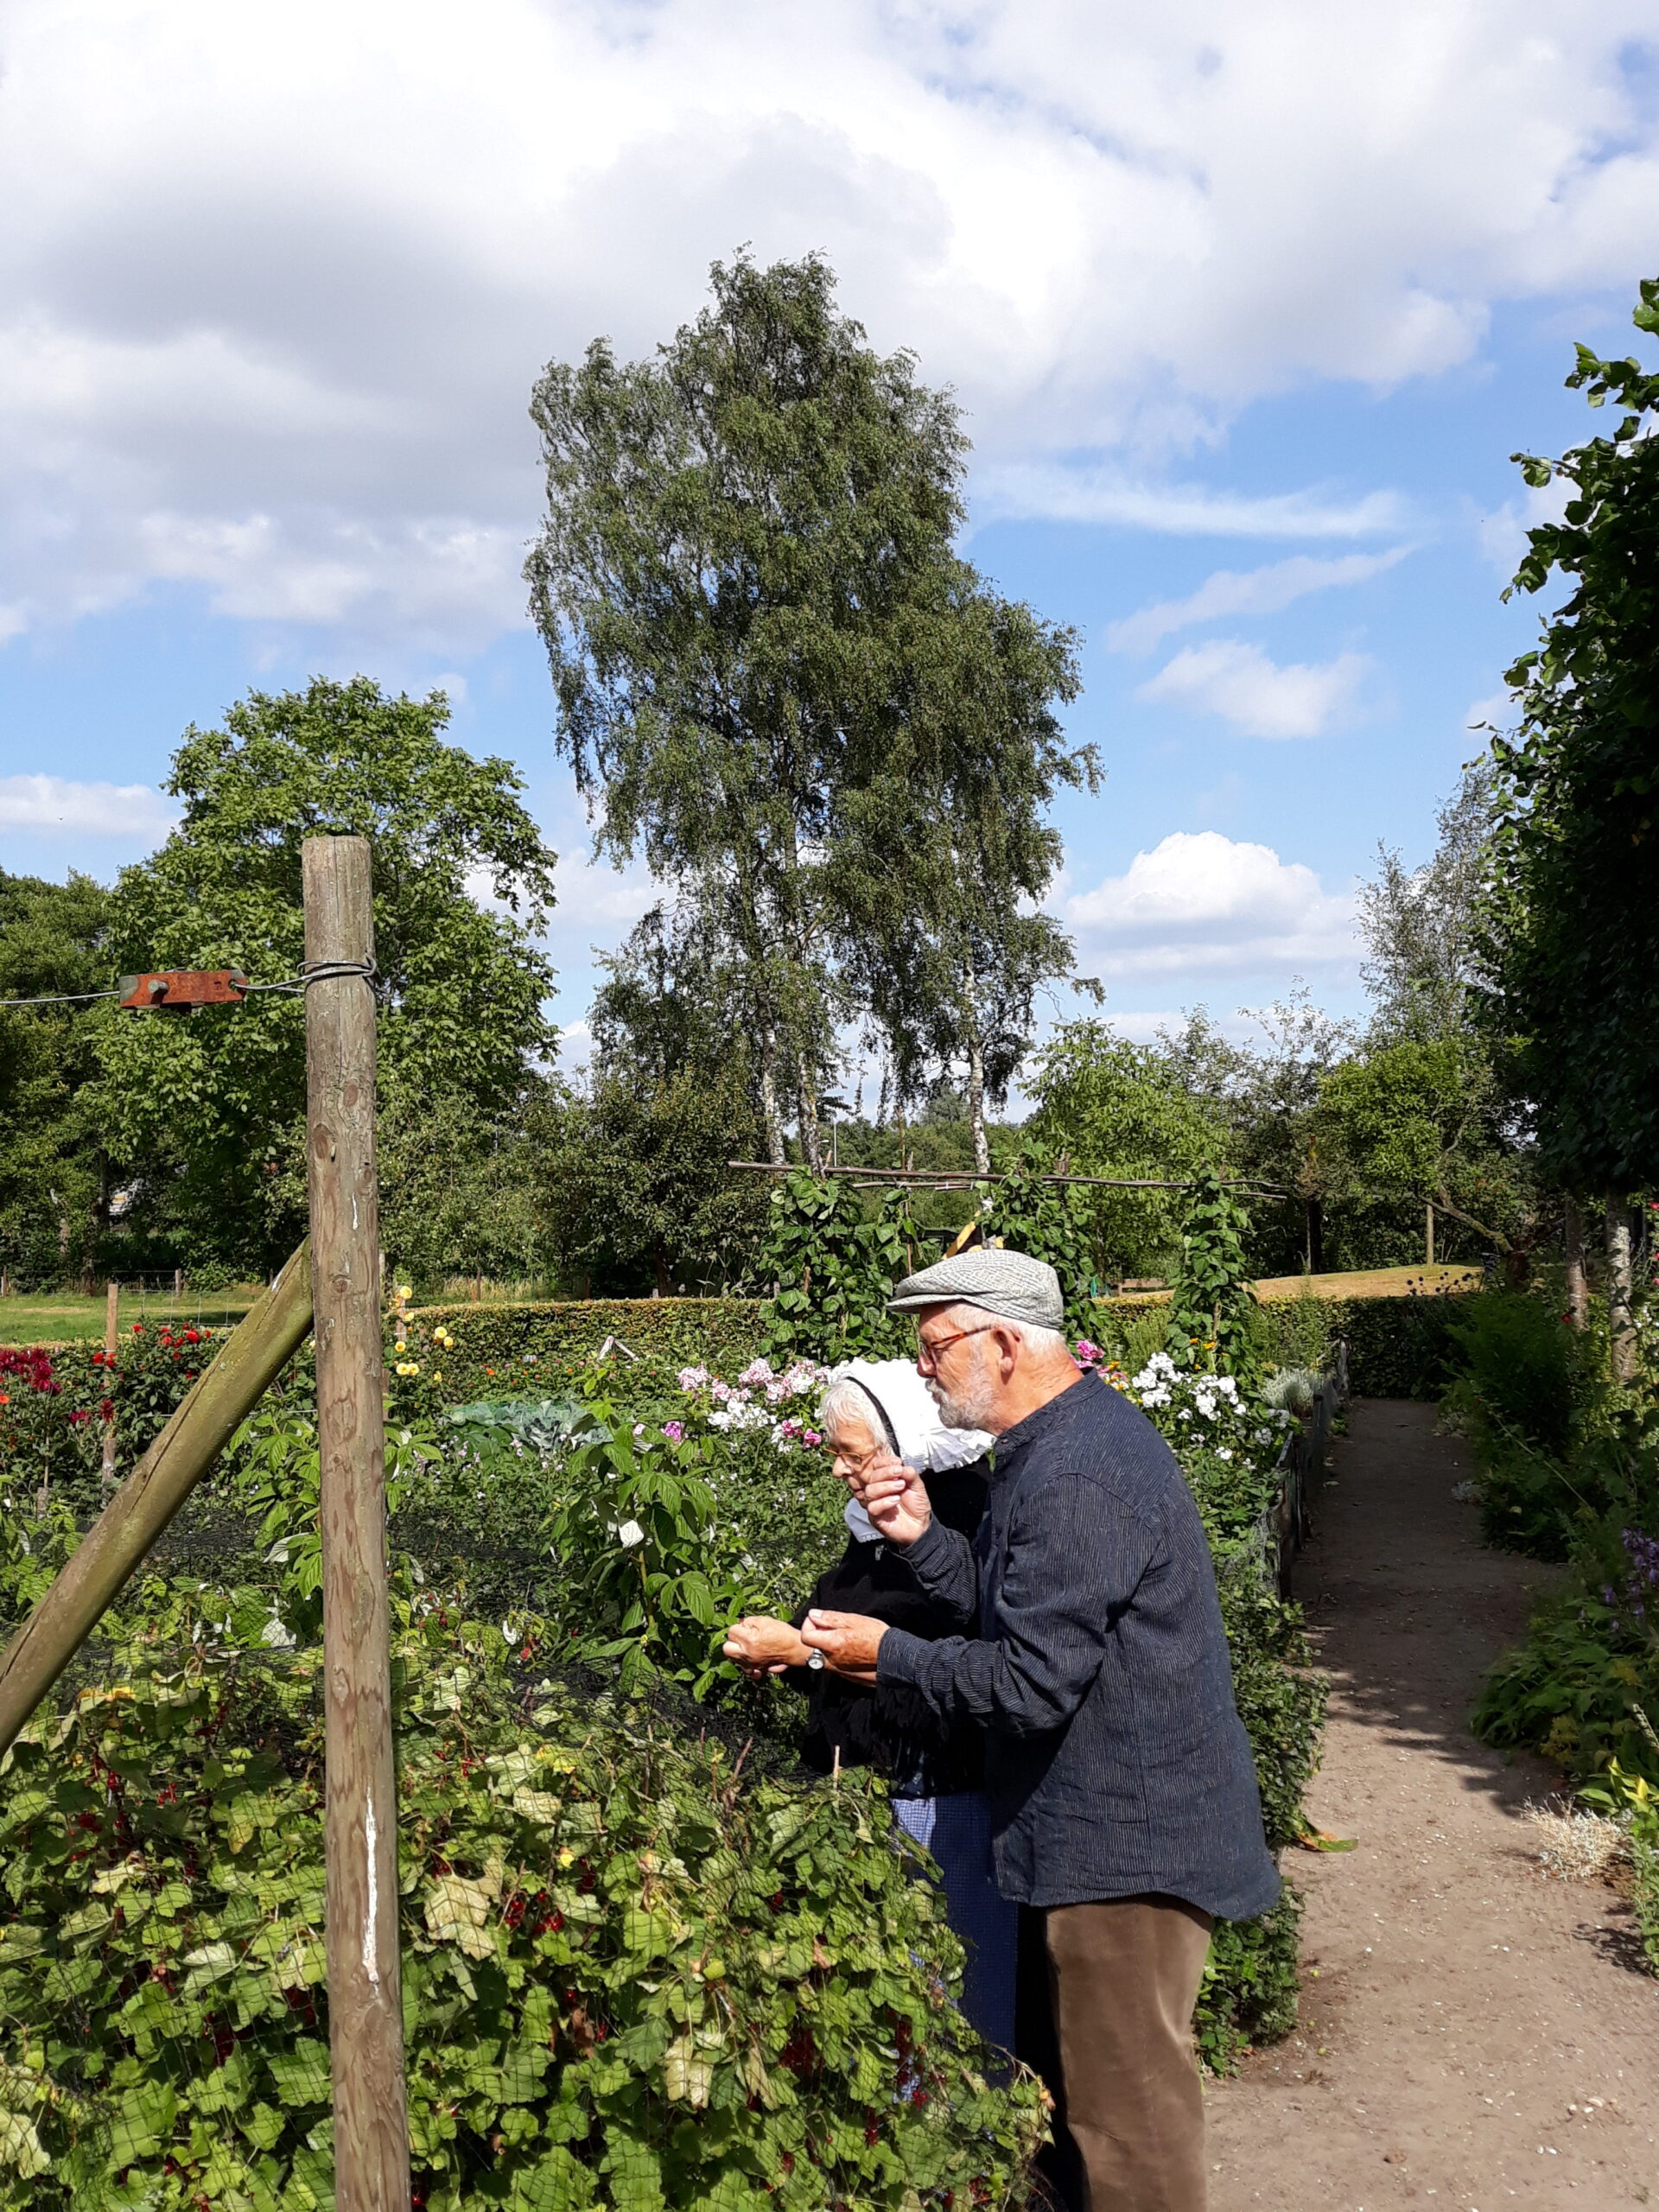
(111, 1345)
(361, 1838)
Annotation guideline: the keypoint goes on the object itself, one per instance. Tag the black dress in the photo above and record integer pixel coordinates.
(889, 1727)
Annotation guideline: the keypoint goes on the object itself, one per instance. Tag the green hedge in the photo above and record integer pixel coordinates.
(500, 1351)
(1397, 1347)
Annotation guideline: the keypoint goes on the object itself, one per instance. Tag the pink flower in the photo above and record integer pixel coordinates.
(674, 1431)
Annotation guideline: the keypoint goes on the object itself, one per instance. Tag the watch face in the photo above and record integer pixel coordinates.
(815, 1661)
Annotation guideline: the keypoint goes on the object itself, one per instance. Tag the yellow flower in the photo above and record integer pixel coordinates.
(404, 1291)
(437, 1375)
(408, 1367)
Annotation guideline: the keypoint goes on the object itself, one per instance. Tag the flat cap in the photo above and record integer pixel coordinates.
(1011, 1284)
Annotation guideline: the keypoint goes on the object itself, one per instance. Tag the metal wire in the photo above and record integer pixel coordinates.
(311, 971)
(62, 998)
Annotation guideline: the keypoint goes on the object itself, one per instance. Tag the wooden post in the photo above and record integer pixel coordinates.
(360, 1830)
(1429, 1236)
(111, 1345)
(222, 1396)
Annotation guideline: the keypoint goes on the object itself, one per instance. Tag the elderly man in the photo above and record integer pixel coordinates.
(1124, 1808)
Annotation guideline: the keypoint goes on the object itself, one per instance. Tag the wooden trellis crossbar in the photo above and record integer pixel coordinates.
(965, 1179)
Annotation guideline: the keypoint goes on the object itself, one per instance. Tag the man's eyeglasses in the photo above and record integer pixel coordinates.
(928, 1354)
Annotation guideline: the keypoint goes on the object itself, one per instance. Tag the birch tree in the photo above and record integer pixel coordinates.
(744, 550)
(778, 683)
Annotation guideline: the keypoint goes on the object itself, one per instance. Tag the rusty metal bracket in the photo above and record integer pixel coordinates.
(180, 990)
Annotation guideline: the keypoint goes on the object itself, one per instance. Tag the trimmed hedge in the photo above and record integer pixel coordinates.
(1397, 1347)
(506, 1351)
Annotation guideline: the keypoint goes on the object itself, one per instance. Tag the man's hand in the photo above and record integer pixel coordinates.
(763, 1646)
(850, 1642)
(895, 1497)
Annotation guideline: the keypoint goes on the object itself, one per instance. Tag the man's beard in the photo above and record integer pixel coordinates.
(970, 1405)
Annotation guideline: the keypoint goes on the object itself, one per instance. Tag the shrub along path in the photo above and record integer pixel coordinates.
(1476, 2037)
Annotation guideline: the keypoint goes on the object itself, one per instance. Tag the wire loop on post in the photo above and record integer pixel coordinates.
(323, 971)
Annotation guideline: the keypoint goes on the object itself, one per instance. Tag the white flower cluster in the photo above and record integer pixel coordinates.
(757, 1400)
(1206, 1412)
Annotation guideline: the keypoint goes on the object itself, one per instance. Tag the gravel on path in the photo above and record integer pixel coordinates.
(1473, 2037)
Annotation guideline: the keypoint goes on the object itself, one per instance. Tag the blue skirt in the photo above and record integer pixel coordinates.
(957, 1830)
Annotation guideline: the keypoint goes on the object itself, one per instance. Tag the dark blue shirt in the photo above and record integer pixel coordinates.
(1116, 1761)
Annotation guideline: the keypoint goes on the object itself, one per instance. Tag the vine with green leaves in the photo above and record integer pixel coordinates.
(1212, 1303)
(834, 1265)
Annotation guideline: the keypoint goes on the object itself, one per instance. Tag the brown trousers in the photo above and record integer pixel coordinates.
(1114, 2044)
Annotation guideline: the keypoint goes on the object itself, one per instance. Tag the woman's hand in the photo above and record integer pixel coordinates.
(895, 1497)
(850, 1642)
(763, 1646)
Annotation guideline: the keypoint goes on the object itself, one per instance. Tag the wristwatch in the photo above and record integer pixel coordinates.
(815, 1661)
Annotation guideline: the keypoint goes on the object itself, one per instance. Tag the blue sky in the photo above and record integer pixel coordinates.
(1248, 306)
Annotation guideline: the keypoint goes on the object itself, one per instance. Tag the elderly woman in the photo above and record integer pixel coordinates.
(876, 1414)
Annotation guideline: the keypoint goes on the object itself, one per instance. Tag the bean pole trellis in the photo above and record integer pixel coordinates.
(967, 1178)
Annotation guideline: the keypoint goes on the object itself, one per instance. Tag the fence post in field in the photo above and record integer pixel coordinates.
(360, 1833)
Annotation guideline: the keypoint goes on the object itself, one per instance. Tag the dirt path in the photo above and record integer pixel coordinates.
(1476, 2037)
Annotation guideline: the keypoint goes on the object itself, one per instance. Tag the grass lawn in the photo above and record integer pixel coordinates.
(1363, 1282)
(64, 1317)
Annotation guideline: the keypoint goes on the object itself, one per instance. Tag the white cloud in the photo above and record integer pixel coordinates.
(593, 892)
(1503, 534)
(1142, 1027)
(1257, 591)
(1200, 904)
(1047, 490)
(49, 804)
(1496, 710)
(1240, 683)
(274, 285)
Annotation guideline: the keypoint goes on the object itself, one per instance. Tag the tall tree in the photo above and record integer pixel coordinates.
(55, 1171)
(1575, 907)
(636, 1192)
(1113, 1107)
(211, 1108)
(758, 633)
(1423, 927)
(944, 935)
